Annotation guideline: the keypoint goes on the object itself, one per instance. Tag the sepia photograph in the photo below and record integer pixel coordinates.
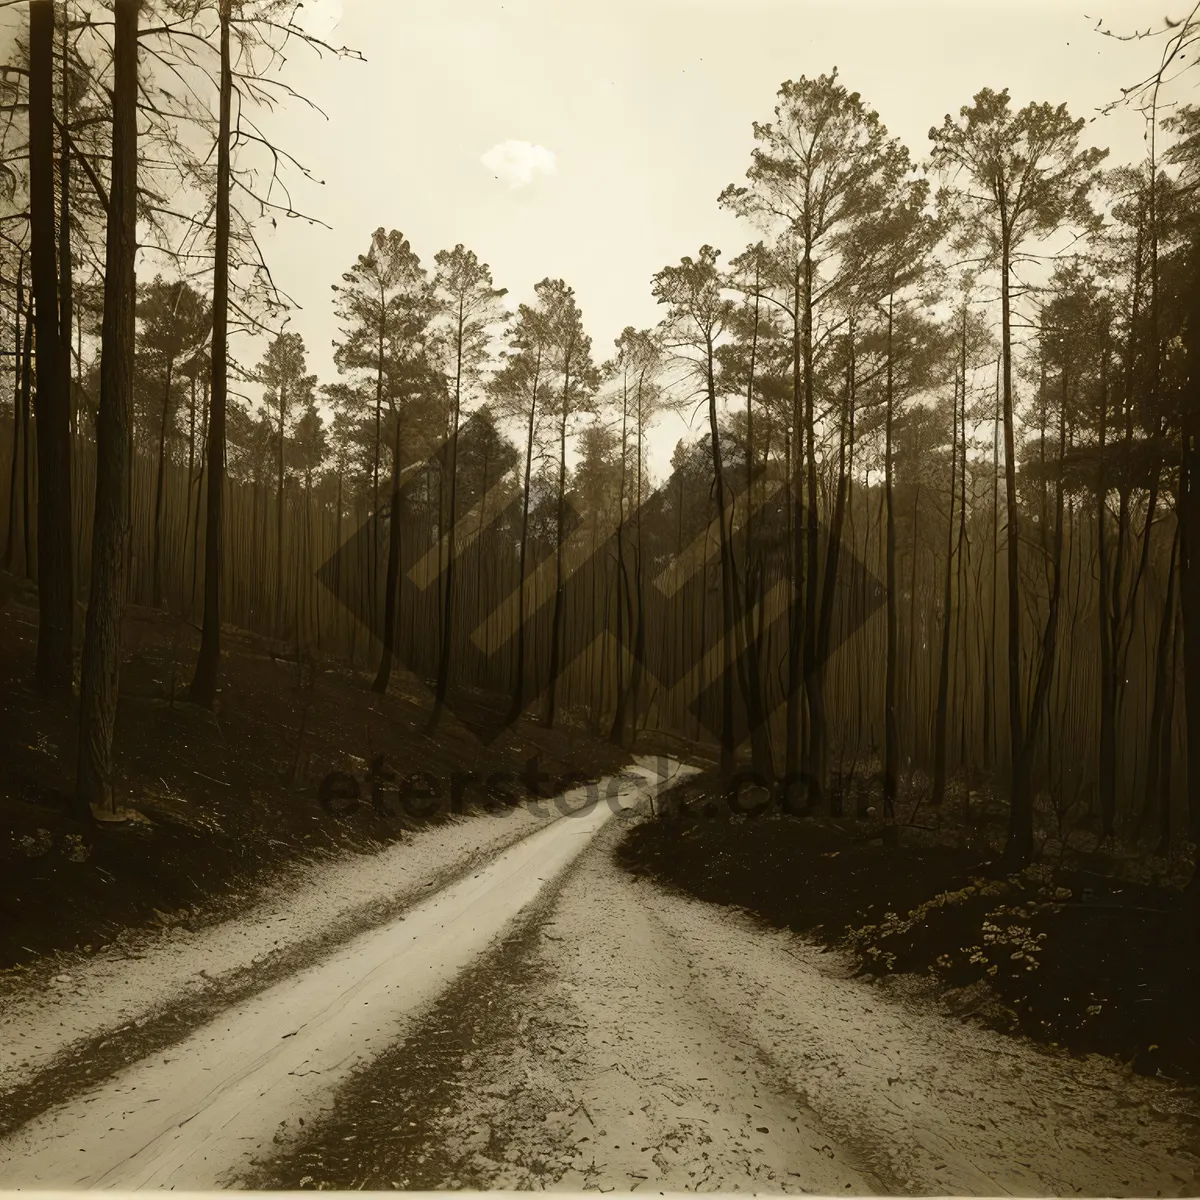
(600, 596)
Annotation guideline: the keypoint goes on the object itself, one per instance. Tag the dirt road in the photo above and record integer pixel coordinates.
(628, 1039)
(547, 1021)
(191, 1115)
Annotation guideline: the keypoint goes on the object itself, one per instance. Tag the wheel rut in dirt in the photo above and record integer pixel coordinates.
(197, 1114)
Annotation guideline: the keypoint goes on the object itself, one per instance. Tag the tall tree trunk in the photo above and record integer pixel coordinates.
(834, 549)
(337, 541)
(814, 688)
(1107, 778)
(727, 598)
(446, 649)
(1160, 708)
(750, 645)
(943, 695)
(1019, 847)
(392, 579)
(911, 667)
(159, 485)
(204, 682)
(1119, 607)
(616, 733)
(17, 447)
(795, 678)
(891, 733)
(1167, 746)
(1049, 646)
(102, 633)
(639, 613)
(596, 688)
(989, 721)
(1188, 510)
(280, 625)
(199, 482)
(187, 490)
(373, 565)
(963, 549)
(1113, 688)
(556, 631)
(56, 600)
(479, 552)
(66, 287)
(26, 390)
(305, 571)
(518, 698)
(354, 625)
(66, 294)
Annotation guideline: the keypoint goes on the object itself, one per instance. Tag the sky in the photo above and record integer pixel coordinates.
(633, 117)
(589, 140)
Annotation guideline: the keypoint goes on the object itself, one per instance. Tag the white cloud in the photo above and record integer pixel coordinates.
(517, 163)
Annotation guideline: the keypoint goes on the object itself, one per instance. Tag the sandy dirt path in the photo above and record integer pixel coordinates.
(89, 997)
(935, 1104)
(630, 1039)
(623, 1075)
(192, 1115)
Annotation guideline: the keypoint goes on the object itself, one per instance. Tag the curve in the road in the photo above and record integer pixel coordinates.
(199, 1112)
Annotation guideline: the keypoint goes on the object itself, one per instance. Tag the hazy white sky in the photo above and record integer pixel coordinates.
(634, 115)
(590, 140)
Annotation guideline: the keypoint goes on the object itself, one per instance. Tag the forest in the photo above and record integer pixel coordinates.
(927, 559)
